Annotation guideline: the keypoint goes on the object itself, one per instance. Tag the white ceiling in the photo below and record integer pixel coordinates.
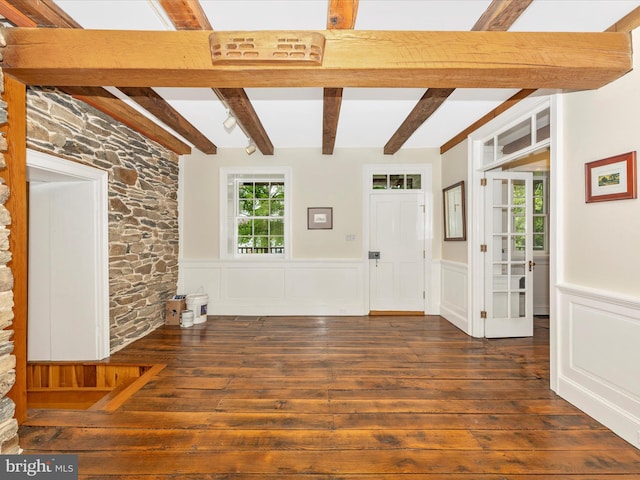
(368, 117)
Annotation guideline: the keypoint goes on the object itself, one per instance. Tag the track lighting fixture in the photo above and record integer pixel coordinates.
(250, 148)
(230, 122)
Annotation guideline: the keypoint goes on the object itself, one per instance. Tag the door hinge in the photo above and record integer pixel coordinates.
(483, 248)
(424, 295)
(424, 254)
(483, 182)
(483, 314)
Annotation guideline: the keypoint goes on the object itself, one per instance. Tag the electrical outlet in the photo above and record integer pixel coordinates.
(350, 237)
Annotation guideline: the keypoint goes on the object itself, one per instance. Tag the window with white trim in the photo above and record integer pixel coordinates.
(257, 213)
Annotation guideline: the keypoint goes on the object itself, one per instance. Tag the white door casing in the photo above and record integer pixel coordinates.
(509, 255)
(68, 292)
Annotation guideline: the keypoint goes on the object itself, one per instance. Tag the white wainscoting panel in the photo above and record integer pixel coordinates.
(600, 357)
(454, 305)
(289, 287)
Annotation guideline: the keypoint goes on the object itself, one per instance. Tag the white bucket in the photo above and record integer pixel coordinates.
(197, 302)
(186, 318)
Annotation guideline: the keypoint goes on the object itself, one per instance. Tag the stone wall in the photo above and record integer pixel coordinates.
(8, 424)
(143, 210)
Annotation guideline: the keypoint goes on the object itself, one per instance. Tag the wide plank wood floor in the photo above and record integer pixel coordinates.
(327, 398)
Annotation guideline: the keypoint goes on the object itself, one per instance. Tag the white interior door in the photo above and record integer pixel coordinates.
(509, 257)
(396, 277)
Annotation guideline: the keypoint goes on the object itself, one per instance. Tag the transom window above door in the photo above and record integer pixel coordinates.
(396, 181)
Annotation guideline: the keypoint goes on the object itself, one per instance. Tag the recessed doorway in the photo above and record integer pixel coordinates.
(68, 291)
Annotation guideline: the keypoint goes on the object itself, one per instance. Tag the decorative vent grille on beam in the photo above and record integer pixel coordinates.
(229, 48)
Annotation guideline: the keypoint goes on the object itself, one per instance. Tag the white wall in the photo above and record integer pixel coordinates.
(454, 268)
(326, 273)
(599, 259)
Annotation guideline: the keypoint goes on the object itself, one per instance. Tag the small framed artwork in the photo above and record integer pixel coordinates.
(612, 178)
(319, 218)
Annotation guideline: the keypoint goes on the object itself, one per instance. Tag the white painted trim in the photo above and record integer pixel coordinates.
(603, 383)
(475, 235)
(223, 199)
(455, 311)
(293, 287)
(556, 231)
(58, 166)
(426, 171)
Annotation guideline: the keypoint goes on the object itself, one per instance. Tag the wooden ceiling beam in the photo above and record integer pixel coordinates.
(108, 103)
(342, 15)
(498, 16)
(429, 103)
(189, 15)
(629, 22)
(45, 13)
(238, 102)
(148, 99)
(626, 24)
(352, 58)
(186, 14)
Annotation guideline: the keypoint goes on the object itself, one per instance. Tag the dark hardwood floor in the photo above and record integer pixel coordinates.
(328, 398)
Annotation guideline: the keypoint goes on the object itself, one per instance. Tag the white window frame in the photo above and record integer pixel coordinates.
(228, 204)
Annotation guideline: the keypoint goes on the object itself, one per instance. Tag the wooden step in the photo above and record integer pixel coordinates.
(69, 385)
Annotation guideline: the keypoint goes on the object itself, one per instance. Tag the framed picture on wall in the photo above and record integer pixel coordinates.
(612, 178)
(455, 228)
(319, 218)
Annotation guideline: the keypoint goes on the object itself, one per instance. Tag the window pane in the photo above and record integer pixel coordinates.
(396, 181)
(245, 228)
(262, 190)
(277, 227)
(414, 181)
(277, 190)
(538, 188)
(538, 224)
(245, 190)
(538, 242)
(277, 208)
(246, 208)
(261, 244)
(542, 125)
(261, 227)
(379, 182)
(262, 208)
(514, 139)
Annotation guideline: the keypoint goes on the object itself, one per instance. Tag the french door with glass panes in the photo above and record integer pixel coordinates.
(509, 254)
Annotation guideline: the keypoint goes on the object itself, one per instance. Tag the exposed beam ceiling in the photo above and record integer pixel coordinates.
(342, 15)
(45, 13)
(629, 22)
(189, 15)
(499, 16)
(352, 58)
